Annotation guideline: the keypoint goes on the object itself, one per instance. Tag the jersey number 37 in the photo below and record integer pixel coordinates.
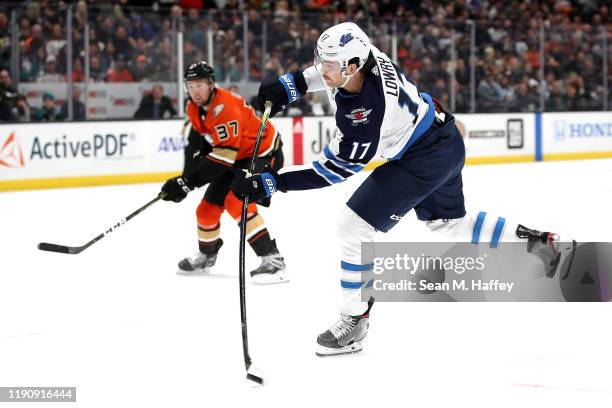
(223, 130)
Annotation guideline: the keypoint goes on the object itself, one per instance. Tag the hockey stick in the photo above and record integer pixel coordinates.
(245, 202)
(45, 246)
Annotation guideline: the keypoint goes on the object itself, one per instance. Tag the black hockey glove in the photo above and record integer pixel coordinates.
(282, 90)
(257, 186)
(176, 189)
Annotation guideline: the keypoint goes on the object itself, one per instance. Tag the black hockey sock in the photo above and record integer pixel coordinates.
(262, 244)
(370, 304)
(210, 248)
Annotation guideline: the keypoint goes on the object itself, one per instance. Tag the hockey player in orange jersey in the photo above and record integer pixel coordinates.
(221, 139)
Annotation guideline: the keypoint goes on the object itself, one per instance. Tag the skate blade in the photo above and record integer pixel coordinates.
(323, 351)
(195, 272)
(271, 278)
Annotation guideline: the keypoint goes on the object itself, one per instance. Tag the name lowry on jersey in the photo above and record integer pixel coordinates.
(389, 76)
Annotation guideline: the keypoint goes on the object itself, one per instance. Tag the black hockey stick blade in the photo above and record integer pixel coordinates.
(255, 378)
(63, 249)
(255, 375)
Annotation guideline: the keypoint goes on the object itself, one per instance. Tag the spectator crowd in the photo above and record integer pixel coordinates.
(133, 41)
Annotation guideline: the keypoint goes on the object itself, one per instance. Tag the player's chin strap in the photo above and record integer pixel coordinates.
(348, 77)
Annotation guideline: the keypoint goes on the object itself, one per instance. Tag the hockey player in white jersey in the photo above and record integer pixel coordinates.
(380, 112)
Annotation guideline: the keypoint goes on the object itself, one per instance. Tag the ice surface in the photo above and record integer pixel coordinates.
(119, 324)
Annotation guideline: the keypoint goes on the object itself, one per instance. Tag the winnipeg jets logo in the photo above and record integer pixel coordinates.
(217, 110)
(345, 39)
(359, 115)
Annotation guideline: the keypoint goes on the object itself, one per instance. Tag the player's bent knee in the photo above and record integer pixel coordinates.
(352, 230)
(208, 214)
(233, 205)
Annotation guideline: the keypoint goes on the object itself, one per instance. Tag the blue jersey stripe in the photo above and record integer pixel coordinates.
(325, 173)
(354, 167)
(422, 127)
(337, 169)
(355, 267)
(356, 285)
(499, 227)
(478, 227)
(351, 285)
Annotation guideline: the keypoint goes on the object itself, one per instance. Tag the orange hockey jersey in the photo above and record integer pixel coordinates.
(231, 126)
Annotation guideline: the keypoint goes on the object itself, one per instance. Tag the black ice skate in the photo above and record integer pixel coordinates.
(200, 262)
(346, 335)
(272, 270)
(545, 245)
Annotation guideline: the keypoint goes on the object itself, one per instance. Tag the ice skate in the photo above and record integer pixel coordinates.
(272, 270)
(346, 335)
(546, 246)
(201, 262)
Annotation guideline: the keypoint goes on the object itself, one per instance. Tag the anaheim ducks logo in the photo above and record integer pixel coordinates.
(359, 115)
(217, 110)
(11, 154)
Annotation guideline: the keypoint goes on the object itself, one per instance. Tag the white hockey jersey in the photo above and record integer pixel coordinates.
(384, 119)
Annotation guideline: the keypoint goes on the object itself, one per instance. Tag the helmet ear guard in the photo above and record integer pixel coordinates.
(357, 61)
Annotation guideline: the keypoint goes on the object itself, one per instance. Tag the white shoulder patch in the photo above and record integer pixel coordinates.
(218, 110)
